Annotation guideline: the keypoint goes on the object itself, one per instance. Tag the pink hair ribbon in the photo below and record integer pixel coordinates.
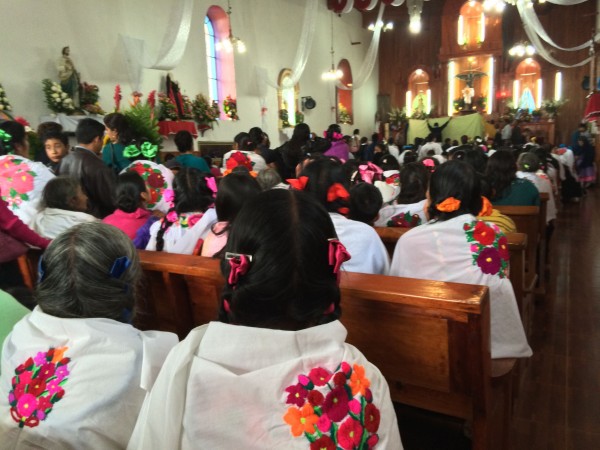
(211, 183)
(337, 254)
(369, 171)
(239, 264)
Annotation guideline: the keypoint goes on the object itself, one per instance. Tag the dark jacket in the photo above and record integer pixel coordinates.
(98, 181)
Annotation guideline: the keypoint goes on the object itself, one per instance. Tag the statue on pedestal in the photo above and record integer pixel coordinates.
(69, 77)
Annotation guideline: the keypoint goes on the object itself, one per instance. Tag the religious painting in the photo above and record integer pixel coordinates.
(344, 112)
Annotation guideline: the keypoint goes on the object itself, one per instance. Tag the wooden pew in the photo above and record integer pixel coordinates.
(429, 339)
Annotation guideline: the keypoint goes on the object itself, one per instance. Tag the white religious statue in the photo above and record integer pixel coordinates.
(468, 94)
(69, 77)
(419, 102)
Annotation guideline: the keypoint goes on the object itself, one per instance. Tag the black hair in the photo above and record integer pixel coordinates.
(248, 145)
(322, 174)
(257, 135)
(293, 151)
(119, 123)
(500, 172)
(389, 162)
(87, 130)
(351, 171)
(477, 159)
(410, 157)
(234, 191)
(365, 202)
(528, 162)
(454, 179)
(331, 130)
(290, 284)
(191, 194)
(414, 178)
(59, 192)
(130, 187)
(356, 131)
(58, 135)
(45, 128)
(17, 136)
(184, 141)
(239, 138)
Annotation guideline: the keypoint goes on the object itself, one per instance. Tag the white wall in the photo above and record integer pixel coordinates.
(34, 32)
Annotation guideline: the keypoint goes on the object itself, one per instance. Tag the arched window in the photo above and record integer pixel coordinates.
(527, 89)
(418, 95)
(287, 97)
(344, 96)
(471, 24)
(220, 63)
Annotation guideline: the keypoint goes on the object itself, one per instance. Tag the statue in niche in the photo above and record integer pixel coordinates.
(469, 91)
(419, 103)
(69, 77)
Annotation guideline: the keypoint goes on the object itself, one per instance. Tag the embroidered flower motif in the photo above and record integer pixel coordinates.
(405, 220)
(16, 181)
(336, 410)
(489, 248)
(37, 386)
(155, 181)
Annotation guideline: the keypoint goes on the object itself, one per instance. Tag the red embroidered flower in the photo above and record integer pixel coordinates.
(350, 434)
(46, 371)
(503, 248)
(346, 368)
(372, 441)
(336, 404)
(484, 234)
(25, 366)
(315, 398)
(296, 395)
(37, 386)
(339, 379)
(156, 180)
(372, 418)
(489, 261)
(368, 395)
(323, 443)
(319, 376)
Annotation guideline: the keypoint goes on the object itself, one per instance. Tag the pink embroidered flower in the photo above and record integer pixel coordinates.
(319, 376)
(474, 248)
(26, 405)
(336, 404)
(489, 261)
(503, 248)
(372, 418)
(40, 359)
(324, 423)
(354, 406)
(296, 395)
(350, 434)
(346, 368)
(193, 219)
(61, 373)
(22, 182)
(323, 443)
(304, 380)
(484, 234)
(315, 398)
(53, 386)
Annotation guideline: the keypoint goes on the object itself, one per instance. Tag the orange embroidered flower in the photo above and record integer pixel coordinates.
(301, 420)
(486, 207)
(451, 204)
(58, 354)
(358, 381)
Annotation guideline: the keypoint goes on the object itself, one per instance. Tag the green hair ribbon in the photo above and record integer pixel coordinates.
(5, 136)
(147, 149)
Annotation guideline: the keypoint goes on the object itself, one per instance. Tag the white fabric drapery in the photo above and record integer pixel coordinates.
(172, 48)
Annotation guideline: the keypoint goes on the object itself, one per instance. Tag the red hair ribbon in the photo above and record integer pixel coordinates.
(369, 171)
(298, 183)
(239, 264)
(337, 191)
(337, 254)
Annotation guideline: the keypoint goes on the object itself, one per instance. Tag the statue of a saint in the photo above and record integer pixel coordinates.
(468, 94)
(69, 77)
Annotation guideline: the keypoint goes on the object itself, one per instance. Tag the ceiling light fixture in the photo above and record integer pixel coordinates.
(231, 42)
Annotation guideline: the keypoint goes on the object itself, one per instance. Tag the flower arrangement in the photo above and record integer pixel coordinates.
(285, 118)
(117, 98)
(551, 107)
(299, 117)
(89, 98)
(188, 108)
(397, 116)
(37, 386)
(230, 108)
(57, 100)
(419, 115)
(168, 110)
(4, 103)
(333, 410)
(142, 121)
(489, 247)
(205, 113)
(344, 116)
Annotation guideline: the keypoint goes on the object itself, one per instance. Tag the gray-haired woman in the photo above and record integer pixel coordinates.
(74, 374)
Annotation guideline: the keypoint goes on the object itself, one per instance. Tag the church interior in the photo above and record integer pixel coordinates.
(387, 68)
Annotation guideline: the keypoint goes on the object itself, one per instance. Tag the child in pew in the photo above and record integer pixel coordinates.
(365, 203)
(193, 193)
(234, 191)
(131, 216)
(74, 373)
(63, 205)
(275, 371)
(409, 210)
(325, 180)
(454, 246)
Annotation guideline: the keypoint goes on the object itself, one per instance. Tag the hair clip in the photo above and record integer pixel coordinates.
(41, 271)
(119, 266)
(337, 191)
(337, 254)
(451, 204)
(239, 264)
(298, 183)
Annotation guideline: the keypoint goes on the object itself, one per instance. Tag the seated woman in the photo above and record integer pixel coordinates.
(285, 378)
(120, 135)
(131, 213)
(338, 147)
(409, 210)
(529, 169)
(194, 193)
(454, 246)
(21, 180)
(325, 180)
(74, 373)
(234, 191)
(63, 206)
(505, 187)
